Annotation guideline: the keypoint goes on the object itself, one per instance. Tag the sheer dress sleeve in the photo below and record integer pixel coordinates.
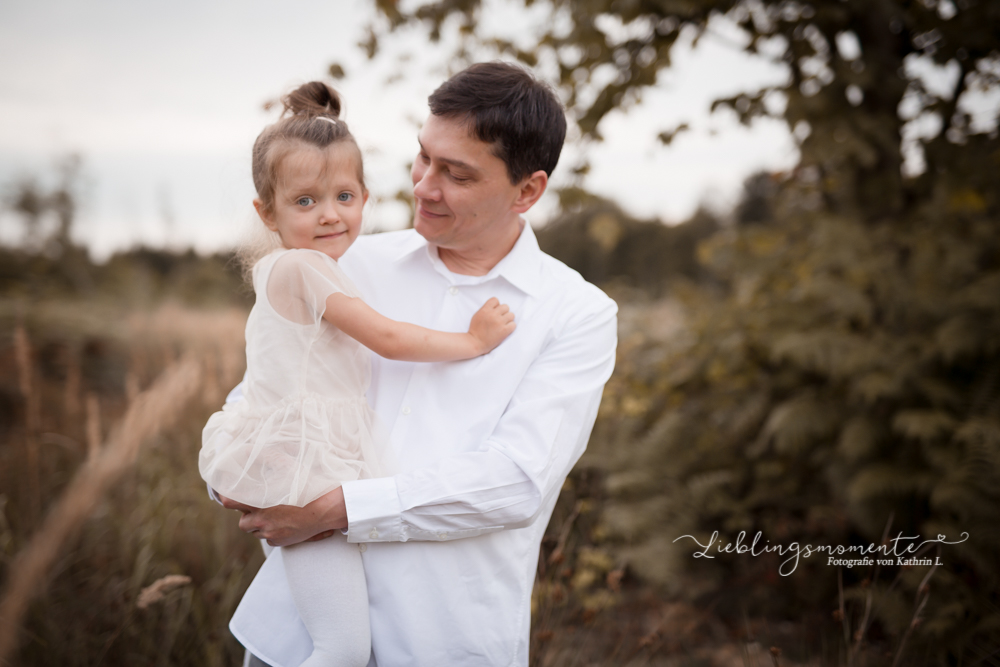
(300, 283)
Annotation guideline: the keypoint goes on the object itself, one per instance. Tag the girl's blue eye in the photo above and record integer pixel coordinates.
(345, 196)
(304, 201)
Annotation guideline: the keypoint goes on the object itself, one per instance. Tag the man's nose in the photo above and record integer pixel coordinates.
(425, 185)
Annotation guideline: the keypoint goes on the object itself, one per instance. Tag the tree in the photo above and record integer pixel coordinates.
(850, 67)
(55, 252)
(848, 378)
(32, 202)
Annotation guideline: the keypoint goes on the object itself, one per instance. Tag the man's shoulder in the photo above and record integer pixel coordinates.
(567, 283)
(574, 303)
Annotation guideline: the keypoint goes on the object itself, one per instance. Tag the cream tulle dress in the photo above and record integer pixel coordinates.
(304, 427)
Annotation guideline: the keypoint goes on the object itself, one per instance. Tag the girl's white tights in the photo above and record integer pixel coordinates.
(328, 584)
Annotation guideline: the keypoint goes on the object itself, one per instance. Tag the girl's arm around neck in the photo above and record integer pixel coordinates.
(401, 341)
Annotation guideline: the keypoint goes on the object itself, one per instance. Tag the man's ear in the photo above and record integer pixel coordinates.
(531, 190)
(266, 215)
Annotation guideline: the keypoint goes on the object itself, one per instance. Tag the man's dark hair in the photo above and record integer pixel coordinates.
(507, 107)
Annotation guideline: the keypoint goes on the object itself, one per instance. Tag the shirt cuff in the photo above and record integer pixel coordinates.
(373, 510)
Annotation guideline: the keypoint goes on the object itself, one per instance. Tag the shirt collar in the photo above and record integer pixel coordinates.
(520, 267)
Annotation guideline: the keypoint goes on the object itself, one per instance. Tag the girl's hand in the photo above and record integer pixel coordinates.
(491, 324)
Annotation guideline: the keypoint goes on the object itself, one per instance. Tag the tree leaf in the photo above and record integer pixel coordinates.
(923, 425)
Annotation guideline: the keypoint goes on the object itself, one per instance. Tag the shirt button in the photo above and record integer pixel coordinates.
(453, 290)
(406, 410)
(362, 547)
(373, 534)
(441, 536)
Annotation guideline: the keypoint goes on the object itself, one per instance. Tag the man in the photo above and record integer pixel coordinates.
(450, 544)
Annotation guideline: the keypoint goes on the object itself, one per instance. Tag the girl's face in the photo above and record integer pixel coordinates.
(318, 199)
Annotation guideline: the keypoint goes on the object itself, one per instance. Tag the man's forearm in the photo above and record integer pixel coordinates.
(498, 486)
(379, 513)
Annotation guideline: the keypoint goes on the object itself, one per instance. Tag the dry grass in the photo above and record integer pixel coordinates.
(146, 416)
(157, 591)
(123, 507)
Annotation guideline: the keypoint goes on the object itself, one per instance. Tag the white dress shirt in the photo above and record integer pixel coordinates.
(450, 544)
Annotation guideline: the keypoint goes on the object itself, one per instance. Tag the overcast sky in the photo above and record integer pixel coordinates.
(163, 102)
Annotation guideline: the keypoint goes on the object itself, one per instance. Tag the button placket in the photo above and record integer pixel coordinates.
(418, 377)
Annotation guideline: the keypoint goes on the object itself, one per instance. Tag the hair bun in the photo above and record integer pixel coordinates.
(312, 99)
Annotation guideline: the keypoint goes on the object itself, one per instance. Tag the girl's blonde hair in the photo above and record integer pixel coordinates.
(310, 117)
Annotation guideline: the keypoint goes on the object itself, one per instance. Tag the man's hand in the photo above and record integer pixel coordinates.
(284, 525)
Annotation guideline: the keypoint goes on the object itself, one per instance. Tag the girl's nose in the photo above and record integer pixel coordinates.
(329, 213)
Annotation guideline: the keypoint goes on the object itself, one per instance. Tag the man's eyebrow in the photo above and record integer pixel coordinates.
(449, 161)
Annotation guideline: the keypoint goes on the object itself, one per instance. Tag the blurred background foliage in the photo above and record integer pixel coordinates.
(821, 365)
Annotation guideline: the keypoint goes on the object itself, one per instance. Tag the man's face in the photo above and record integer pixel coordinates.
(462, 193)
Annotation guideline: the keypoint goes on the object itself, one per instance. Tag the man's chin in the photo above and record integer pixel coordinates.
(431, 229)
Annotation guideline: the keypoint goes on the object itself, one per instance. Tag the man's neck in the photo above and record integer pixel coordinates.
(479, 258)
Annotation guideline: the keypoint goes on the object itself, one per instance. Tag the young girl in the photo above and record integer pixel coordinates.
(304, 427)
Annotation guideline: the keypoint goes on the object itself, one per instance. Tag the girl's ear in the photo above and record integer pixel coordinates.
(265, 214)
